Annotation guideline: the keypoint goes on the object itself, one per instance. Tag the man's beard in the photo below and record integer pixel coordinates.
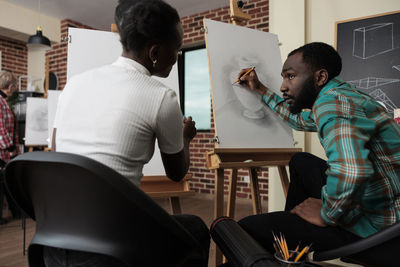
(306, 97)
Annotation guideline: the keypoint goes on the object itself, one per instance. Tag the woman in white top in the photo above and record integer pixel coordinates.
(114, 113)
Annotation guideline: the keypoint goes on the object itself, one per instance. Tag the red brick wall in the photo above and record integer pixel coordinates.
(59, 52)
(14, 56)
(203, 179)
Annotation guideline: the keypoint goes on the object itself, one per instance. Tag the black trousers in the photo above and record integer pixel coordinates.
(15, 210)
(307, 176)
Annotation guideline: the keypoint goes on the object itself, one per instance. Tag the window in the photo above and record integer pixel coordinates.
(195, 86)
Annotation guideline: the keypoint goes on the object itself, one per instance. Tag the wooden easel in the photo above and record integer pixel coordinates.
(220, 159)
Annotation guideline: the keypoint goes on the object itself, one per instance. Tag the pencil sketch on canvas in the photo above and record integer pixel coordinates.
(241, 119)
(36, 121)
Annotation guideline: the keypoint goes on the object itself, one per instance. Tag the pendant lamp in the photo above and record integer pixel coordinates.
(39, 41)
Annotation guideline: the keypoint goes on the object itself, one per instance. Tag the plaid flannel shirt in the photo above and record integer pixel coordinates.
(8, 134)
(362, 144)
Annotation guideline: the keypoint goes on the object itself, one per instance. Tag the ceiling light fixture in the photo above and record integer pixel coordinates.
(39, 41)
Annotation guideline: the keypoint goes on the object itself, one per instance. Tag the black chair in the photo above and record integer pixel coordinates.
(80, 204)
(379, 249)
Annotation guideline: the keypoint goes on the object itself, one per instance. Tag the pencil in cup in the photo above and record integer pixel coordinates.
(244, 75)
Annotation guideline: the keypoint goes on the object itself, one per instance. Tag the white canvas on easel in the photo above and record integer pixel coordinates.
(89, 49)
(241, 119)
(36, 132)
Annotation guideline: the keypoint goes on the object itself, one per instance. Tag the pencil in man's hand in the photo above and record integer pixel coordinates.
(245, 74)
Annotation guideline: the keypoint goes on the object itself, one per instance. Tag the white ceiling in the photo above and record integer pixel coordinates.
(99, 14)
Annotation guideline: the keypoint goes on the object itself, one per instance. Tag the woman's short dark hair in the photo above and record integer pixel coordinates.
(320, 56)
(142, 21)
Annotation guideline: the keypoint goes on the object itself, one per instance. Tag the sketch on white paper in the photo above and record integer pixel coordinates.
(36, 128)
(373, 40)
(241, 119)
(253, 107)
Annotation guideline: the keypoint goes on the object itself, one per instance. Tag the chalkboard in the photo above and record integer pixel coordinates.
(370, 53)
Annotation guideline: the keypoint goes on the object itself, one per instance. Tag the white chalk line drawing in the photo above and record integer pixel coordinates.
(397, 67)
(373, 40)
(380, 96)
(372, 82)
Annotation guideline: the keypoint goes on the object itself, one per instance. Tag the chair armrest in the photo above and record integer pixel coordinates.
(361, 245)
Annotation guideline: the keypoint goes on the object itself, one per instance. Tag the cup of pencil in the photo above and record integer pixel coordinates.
(288, 257)
(290, 261)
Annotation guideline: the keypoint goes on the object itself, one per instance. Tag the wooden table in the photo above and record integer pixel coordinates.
(161, 186)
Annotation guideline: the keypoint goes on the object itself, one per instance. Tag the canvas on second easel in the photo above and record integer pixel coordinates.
(89, 49)
(36, 121)
(241, 119)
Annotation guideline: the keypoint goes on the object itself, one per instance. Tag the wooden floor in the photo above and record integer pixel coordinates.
(11, 234)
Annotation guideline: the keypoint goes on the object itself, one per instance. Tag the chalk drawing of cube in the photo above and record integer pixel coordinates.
(373, 40)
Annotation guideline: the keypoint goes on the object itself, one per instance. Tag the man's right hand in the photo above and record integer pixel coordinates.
(251, 81)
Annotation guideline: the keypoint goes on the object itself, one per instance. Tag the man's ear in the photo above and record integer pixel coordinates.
(321, 77)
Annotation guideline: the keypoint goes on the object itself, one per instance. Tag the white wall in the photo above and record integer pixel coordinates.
(37, 65)
(287, 19)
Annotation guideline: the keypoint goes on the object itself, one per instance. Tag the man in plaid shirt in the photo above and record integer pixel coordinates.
(8, 135)
(356, 192)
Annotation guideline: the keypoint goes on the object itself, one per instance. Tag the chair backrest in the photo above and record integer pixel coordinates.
(379, 249)
(81, 204)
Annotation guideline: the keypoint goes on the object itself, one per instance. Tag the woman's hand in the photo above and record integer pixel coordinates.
(189, 128)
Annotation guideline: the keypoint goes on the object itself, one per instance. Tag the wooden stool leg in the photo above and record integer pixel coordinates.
(232, 194)
(175, 205)
(255, 191)
(284, 179)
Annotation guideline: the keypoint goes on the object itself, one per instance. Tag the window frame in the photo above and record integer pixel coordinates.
(181, 75)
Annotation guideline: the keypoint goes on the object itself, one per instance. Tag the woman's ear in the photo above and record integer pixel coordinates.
(321, 77)
(154, 54)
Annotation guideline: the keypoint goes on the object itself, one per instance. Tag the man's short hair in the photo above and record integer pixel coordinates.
(7, 78)
(320, 56)
(142, 21)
